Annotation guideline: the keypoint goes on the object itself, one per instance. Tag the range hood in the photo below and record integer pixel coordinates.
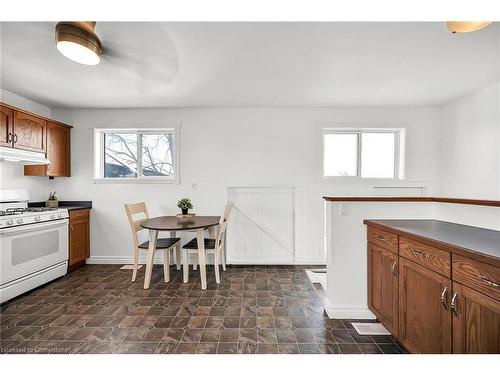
(22, 156)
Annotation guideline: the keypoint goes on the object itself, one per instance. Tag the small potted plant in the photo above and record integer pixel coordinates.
(52, 202)
(185, 205)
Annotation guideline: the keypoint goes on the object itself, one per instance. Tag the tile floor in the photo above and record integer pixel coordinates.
(255, 309)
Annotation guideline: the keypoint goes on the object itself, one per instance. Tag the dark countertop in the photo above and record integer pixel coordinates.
(69, 205)
(457, 238)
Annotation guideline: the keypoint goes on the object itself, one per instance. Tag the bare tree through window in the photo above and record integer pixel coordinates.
(121, 155)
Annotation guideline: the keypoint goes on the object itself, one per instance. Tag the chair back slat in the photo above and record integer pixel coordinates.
(135, 224)
(223, 225)
(136, 208)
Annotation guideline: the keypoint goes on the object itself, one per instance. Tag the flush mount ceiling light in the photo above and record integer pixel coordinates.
(79, 42)
(467, 26)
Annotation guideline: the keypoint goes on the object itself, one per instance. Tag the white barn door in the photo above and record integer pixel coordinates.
(262, 226)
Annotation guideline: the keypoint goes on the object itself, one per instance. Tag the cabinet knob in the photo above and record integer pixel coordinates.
(444, 294)
(454, 304)
(394, 268)
(489, 282)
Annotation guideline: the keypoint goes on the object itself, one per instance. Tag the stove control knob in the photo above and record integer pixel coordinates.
(59, 215)
(52, 216)
(38, 218)
(19, 221)
(10, 222)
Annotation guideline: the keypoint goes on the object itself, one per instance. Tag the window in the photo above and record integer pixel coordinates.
(365, 153)
(136, 155)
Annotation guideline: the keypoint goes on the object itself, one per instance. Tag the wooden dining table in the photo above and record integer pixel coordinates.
(173, 224)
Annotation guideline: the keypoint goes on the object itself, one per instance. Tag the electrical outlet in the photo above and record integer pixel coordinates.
(195, 186)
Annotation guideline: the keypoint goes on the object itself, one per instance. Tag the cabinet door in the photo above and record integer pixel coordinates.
(29, 132)
(383, 286)
(79, 236)
(424, 314)
(6, 138)
(58, 153)
(476, 322)
(58, 150)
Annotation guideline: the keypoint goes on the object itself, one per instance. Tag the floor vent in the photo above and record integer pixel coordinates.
(370, 329)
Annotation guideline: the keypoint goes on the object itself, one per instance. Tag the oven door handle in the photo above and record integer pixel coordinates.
(34, 227)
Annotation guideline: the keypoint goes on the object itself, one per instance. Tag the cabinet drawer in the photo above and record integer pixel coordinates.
(434, 259)
(79, 214)
(383, 239)
(477, 275)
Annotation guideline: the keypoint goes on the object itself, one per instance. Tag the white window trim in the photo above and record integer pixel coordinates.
(97, 134)
(399, 150)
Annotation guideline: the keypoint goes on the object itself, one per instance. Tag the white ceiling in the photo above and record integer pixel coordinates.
(253, 64)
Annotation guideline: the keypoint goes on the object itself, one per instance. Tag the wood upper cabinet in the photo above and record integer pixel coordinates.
(29, 132)
(58, 150)
(424, 314)
(79, 237)
(6, 136)
(58, 153)
(476, 322)
(383, 286)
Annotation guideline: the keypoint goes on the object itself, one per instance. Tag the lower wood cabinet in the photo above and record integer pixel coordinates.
(432, 300)
(79, 238)
(424, 315)
(383, 285)
(476, 321)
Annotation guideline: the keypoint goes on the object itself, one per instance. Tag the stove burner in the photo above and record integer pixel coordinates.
(12, 211)
(39, 209)
(19, 211)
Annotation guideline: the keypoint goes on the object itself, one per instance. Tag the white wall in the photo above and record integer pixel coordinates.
(11, 174)
(9, 97)
(470, 145)
(223, 147)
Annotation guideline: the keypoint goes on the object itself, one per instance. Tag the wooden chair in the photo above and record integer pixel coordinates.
(213, 246)
(165, 244)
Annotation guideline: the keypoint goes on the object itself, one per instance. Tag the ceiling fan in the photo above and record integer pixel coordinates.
(79, 42)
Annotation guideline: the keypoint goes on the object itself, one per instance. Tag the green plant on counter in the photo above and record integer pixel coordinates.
(52, 196)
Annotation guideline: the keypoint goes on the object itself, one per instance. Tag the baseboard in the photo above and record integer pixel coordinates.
(281, 262)
(120, 259)
(96, 259)
(348, 312)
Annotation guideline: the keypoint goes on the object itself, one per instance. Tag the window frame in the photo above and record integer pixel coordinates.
(98, 156)
(399, 150)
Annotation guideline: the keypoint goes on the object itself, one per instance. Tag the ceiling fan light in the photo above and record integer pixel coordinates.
(78, 42)
(78, 53)
(467, 26)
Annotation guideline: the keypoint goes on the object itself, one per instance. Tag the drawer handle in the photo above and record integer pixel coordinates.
(381, 238)
(489, 282)
(15, 138)
(394, 268)
(454, 304)
(9, 137)
(419, 253)
(444, 294)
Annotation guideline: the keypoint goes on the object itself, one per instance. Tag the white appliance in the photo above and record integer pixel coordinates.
(34, 244)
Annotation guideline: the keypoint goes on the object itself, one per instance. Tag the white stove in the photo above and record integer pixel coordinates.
(34, 244)
(11, 217)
